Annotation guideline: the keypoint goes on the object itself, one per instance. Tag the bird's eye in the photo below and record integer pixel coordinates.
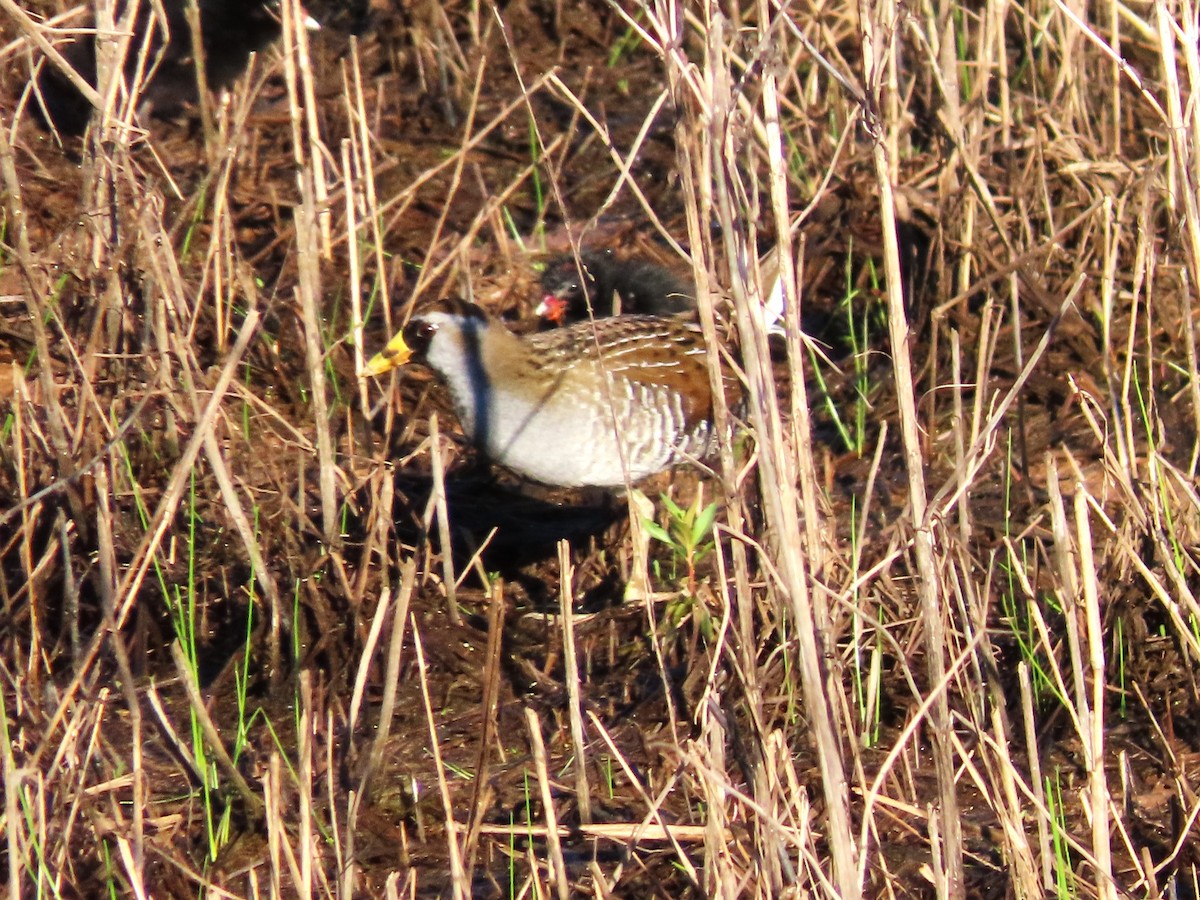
(418, 333)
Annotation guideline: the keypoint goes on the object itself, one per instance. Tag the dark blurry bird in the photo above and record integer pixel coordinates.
(586, 405)
(231, 30)
(610, 285)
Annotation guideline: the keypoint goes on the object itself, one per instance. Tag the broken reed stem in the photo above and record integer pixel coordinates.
(278, 846)
(191, 13)
(459, 885)
(878, 25)
(583, 795)
(1093, 737)
(304, 776)
(245, 531)
(1033, 758)
(309, 224)
(367, 659)
(653, 804)
(391, 673)
(351, 193)
(184, 668)
(482, 794)
(558, 864)
(776, 465)
(18, 853)
(441, 510)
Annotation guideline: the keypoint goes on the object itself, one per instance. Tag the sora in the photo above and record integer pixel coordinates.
(539, 405)
(640, 287)
(231, 31)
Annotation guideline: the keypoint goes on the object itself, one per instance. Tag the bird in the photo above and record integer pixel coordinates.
(609, 285)
(597, 404)
(231, 30)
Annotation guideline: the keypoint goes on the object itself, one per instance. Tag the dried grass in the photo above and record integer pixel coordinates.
(238, 655)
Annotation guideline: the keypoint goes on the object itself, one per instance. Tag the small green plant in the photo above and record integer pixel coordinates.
(197, 220)
(688, 533)
(535, 153)
(1064, 876)
(610, 776)
(626, 44)
(864, 317)
(1019, 614)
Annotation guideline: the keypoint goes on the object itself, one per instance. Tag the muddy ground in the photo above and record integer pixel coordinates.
(136, 349)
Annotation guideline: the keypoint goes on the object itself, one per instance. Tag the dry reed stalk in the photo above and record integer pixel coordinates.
(108, 583)
(354, 265)
(1076, 578)
(878, 24)
(241, 523)
(342, 865)
(653, 805)
(959, 425)
(391, 680)
(191, 14)
(361, 171)
(304, 777)
(1099, 798)
(583, 794)
(185, 669)
(717, 190)
(637, 583)
(366, 660)
(38, 287)
(18, 846)
(483, 794)
(25, 551)
(381, 492)
(35, 32)
(439, 508)
(279, 847)
(558, 869)
(459, 885)
(620, 832)
(1005, 170)
(1034, 762)
(177, 745)
(312, 242)
(720, 872)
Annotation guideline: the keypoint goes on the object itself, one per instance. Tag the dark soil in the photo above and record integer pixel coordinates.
(426, 83)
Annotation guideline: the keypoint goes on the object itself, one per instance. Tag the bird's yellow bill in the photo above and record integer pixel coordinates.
(394, 355)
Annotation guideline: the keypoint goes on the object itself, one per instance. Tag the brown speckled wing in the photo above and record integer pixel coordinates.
(645, 350)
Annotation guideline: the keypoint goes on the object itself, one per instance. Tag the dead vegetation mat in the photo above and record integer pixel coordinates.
(207, 517)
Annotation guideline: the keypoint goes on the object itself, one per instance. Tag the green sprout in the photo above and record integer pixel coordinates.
(688, 534)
